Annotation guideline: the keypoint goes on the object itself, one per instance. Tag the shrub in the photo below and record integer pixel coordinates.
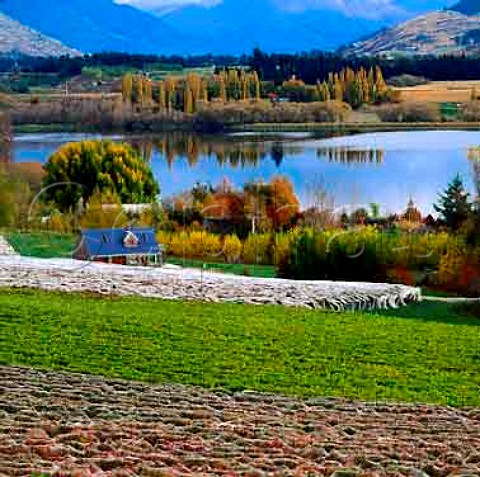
(471, 112)
(409, 113)
(334, 256)
(232, 248)
(257, 249)
(214, 117)
(459, 272)
(367, 254)
(405, 80)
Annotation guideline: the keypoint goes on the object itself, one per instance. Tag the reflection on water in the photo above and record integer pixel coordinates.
(232, 151)
(347, 155)
(385, 168)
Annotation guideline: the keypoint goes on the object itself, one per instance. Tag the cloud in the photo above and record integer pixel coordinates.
(374, 9)
(352, 8)
(166, 5)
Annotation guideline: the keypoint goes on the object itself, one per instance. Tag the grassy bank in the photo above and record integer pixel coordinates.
(264, 271)
(427, 352)
(42, 244)
(268, 127)
(51, 128)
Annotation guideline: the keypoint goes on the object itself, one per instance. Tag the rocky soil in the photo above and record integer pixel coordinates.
(73, 425)
(184, 284)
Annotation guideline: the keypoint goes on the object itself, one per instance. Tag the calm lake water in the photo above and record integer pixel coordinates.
(386, 168)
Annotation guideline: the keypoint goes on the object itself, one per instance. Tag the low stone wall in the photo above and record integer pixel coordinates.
(186, 284)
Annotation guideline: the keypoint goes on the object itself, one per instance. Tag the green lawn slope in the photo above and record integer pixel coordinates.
(427, 352)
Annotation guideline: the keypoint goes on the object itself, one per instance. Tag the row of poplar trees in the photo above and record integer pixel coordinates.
(355, 87)
(187, 93)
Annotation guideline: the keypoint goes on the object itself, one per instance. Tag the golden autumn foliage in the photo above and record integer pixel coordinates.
(275, 201)
(224, 205)
(77, 170)
(104, 210)
(187, 93)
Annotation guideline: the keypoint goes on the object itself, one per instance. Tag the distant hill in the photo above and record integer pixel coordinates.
(17, 38)
(237, 27)
(229, 27)
(94, 25)
(447, 31)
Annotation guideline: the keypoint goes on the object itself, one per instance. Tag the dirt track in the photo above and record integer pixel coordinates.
(79, 426)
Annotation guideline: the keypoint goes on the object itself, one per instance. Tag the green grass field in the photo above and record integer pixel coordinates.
(263, 271)
(42, 244)
(428, 352)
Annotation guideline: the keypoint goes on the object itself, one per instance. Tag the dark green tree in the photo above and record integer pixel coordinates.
(454, 206)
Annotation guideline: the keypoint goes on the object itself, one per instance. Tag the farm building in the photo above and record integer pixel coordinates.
(130, 246)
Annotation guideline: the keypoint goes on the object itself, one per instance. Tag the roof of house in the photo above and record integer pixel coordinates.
(119, 242)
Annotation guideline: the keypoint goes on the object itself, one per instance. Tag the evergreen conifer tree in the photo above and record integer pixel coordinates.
(454, 207)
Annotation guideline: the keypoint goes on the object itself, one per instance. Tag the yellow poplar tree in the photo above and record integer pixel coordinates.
(222, 88)
(256, 81)
(188, 106)
(127, 88)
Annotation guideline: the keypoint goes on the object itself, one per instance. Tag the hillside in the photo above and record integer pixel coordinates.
(15, 37)
(431, 34)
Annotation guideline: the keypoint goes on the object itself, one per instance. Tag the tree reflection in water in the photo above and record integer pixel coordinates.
(227, 150)
(348, 155)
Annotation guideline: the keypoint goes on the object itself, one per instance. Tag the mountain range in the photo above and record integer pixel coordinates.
(227, 27)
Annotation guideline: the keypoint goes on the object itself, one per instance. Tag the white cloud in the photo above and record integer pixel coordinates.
(165, 5)
(354, 8)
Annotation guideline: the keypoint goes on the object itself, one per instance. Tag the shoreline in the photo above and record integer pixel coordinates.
(257, 128)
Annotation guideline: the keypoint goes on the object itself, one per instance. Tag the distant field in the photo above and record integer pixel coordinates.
(440, 91)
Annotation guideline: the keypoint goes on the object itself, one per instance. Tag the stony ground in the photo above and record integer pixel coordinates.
(185, 284)
(63, 424)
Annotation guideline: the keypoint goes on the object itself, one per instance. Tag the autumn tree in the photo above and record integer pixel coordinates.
(77, 170)
(104, 210)
(256, 83)
(147, 91)
(15, 198)
(137, 90)
(222, 89)
(127, 88)
(380, 85)
(225, 204)
(276, 201)
(7, 201)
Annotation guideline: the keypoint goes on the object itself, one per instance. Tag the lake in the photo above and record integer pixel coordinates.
(388, 168)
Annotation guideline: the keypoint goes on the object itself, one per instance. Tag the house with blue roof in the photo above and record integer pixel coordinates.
(128, 246)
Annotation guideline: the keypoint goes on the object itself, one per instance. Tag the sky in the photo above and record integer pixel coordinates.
(356, 7)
